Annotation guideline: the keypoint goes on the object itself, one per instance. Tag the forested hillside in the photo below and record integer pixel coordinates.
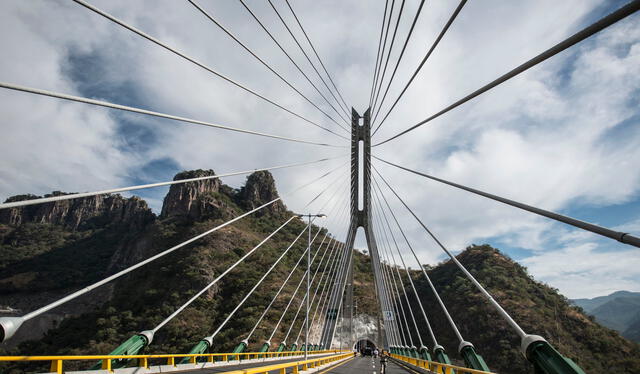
(53, 249)
(537, 307)
(50, 250)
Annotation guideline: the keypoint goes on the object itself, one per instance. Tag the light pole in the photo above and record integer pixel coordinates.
(306, 320)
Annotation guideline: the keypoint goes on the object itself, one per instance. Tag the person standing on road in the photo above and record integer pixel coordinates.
(383, 362)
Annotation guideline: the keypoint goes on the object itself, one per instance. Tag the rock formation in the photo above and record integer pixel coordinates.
(190, 199)
(260, 189)
(72, 214)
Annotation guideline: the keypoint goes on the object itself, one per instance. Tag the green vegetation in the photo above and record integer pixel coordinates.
(64, 260)
(538, 308)
(39, 261)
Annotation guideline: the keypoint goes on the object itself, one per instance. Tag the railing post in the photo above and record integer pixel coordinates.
(210, 358)
(193, 359)
(171, 361)
(56, 366)
(143, 362)
(106, 364)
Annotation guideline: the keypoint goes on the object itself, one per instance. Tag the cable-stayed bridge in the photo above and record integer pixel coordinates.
(324, 300)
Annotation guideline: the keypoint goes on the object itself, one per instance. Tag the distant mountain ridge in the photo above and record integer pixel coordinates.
(590, 304)
(619, 311)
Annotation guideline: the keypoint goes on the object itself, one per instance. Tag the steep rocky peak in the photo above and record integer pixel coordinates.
(78, 213)
(184, 199)
(259, 189)
(209, 198)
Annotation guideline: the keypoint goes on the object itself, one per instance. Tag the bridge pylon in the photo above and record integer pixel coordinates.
(361, 216)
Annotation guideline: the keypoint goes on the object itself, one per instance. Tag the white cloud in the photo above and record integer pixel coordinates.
(584, 270)
(547, 137)
(48, 144)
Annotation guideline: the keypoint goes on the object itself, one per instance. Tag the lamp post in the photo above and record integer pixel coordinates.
(306, 320)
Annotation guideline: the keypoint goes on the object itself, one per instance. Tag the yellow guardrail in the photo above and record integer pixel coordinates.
(437, 367)
(57, 362)
(296, 366)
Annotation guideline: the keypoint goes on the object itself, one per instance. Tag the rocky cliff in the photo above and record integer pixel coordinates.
(193, 199)
(81, 213)
(259, 190)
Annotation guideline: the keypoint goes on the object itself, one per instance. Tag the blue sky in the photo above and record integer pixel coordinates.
(562, 136)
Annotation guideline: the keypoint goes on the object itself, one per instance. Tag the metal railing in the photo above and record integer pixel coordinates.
(437, 367)
(295, 366)
(57, 362)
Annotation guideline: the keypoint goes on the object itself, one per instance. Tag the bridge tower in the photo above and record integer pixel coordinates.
(361, 216)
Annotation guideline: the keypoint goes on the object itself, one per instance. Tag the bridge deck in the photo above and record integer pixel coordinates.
(364, 365)
(240, 366)
(359, 365)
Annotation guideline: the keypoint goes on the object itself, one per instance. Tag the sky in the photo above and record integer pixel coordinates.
(562, 136)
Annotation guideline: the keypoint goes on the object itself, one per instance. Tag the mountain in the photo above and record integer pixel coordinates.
(619, 311)
(590, 304)
(632, 332)
(538, 309)
(50, 250)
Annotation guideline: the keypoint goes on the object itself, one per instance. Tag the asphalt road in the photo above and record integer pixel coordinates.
(358, 365)
(364, 365)
(221, 369)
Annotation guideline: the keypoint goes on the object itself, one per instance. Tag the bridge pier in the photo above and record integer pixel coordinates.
(360, 212)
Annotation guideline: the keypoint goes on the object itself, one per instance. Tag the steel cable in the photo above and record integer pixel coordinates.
(264, 63)
(395, 69)
(43, 200)
(393, 39)
(576, 38)
(622, 237)
(477, 284)
(375, 69)
(424, 59)
(203, 290)
(388, 226)
(117, 275)
(384, 47)
(273, 299)
(424, 314)
(190, 59)
(246, 297)
(297, 288)
(317, 55)
(286, 26)
(107, 104)
(386, 248)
